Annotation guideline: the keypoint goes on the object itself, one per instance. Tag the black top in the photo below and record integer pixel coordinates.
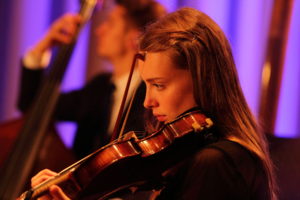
(89, 107)
(207, 168)
(221, 170)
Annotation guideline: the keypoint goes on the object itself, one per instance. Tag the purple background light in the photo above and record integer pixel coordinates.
(288, 117)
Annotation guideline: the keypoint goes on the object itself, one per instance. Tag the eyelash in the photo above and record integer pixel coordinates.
(158, 86)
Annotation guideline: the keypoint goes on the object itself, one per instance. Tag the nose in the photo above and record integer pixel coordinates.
(150, 101)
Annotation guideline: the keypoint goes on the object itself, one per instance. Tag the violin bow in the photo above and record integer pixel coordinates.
(116, 132)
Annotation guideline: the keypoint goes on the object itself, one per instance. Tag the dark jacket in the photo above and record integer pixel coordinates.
(89, 107)
(219, 171)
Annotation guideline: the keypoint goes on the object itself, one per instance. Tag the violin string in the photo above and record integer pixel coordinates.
(115, 141)
(76, 164)
(88, 156)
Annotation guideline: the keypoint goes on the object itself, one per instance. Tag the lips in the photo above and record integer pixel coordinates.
(161, 118)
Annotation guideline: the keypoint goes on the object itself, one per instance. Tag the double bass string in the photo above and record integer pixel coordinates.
(59, 65)
(50, 87)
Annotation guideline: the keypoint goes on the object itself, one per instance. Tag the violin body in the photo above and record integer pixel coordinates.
(130, 162)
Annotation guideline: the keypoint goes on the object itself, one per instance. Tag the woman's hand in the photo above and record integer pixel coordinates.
(55, 192)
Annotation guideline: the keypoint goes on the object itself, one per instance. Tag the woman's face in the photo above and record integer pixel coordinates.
(169, 89)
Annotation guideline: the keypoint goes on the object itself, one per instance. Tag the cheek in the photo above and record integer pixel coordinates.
(181, 100)
(178, 103)
(171, 102)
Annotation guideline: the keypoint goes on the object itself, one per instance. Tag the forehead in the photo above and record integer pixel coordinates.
(156, 65)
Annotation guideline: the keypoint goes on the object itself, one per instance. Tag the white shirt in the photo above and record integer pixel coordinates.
(33, 61)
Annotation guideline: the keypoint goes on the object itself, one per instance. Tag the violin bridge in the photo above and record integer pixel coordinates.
(129, 135)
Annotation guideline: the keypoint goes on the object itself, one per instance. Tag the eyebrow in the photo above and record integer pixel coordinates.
(153, 79)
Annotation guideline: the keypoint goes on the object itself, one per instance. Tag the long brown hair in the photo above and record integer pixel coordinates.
(198, 44)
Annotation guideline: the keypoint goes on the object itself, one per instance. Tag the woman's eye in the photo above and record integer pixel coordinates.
(158, 86)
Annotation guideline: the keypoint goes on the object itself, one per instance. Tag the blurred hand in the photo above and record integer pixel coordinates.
(55, 192)
(62, 31)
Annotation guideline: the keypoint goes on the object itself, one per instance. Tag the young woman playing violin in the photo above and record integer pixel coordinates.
(188, 66)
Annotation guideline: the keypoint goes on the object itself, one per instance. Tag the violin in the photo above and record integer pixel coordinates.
(129, 161)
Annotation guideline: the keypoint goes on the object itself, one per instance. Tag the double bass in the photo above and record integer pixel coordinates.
(17, 165)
